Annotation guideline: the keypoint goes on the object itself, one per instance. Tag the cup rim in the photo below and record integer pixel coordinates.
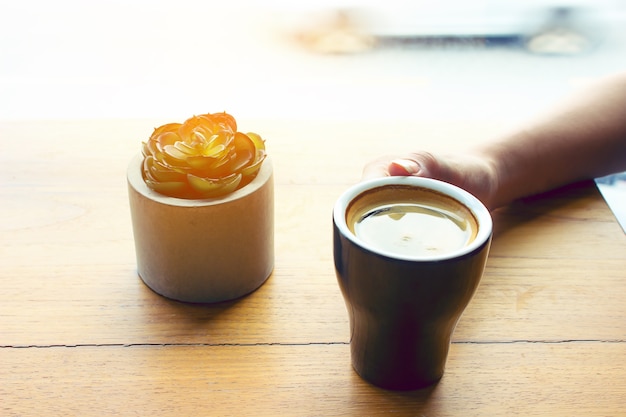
(478, 209)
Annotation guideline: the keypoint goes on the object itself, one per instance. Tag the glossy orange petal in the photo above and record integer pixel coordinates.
(258, 141)
(201, 158)
(175, 154)
(172, 189)
(169, 127)
(210, 188)
(253, 169)
(166, 138)
(245, 151)
(162, 173)
(186, 148)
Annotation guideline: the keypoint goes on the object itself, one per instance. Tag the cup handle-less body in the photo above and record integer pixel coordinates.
(402, 313)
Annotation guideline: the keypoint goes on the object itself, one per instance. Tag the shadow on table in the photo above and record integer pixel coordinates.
(378, 400)
(171, 321)
(563, 202)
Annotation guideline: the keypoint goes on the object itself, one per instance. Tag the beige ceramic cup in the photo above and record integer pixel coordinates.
(407, 274)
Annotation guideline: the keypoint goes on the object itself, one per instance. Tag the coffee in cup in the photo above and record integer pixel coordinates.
(407, 221)
(409, 254)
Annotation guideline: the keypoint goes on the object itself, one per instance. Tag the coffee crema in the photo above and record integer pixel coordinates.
(411, 221)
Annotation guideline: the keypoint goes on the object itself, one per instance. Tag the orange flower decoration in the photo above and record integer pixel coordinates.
(204, 157)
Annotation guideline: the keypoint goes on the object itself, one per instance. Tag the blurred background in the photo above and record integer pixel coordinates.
(388, 59)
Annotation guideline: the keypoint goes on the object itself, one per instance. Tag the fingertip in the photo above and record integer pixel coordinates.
(403, 167)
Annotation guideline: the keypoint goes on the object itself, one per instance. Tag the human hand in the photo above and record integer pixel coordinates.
(474, 173)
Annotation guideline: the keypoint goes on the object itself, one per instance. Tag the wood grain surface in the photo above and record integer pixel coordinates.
(81, 335)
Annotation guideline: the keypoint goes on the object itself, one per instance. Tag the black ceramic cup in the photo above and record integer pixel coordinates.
(407, 277)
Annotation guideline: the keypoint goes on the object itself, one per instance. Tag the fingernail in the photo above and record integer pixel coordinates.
(411, 167)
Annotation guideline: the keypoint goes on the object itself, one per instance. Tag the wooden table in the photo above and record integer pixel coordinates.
(80, 334)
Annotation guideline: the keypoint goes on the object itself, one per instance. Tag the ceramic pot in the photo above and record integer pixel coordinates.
(203, 251)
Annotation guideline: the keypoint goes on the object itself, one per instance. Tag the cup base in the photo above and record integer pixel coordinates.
(398, 382)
